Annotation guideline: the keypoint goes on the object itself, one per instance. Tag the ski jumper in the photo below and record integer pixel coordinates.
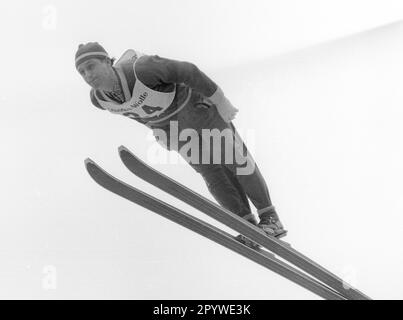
(158, 93)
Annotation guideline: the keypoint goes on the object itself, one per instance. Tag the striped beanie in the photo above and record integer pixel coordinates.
(88, 51)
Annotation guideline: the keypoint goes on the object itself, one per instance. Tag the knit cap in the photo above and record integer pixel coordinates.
(88, 51)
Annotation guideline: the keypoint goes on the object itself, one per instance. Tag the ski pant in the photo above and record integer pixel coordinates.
(224, 179)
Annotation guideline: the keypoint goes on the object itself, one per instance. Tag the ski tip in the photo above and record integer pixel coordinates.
(88, 161)
(90, 164)
(122, 148)
(126, 154)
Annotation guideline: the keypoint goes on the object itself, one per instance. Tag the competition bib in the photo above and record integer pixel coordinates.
(144, 102)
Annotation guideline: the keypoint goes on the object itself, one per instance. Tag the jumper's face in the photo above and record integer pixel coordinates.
(95, 72)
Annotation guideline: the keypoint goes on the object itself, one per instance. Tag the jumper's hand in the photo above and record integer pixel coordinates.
(224, 107)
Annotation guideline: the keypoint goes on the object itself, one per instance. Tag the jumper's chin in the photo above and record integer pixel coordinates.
(95, 84)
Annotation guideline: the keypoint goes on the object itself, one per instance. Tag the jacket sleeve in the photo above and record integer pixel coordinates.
(154, 70)
(94, 100)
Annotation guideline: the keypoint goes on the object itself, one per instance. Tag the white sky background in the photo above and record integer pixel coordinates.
(318, 85)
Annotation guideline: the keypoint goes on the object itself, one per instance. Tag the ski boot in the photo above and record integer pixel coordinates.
(271, 224)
